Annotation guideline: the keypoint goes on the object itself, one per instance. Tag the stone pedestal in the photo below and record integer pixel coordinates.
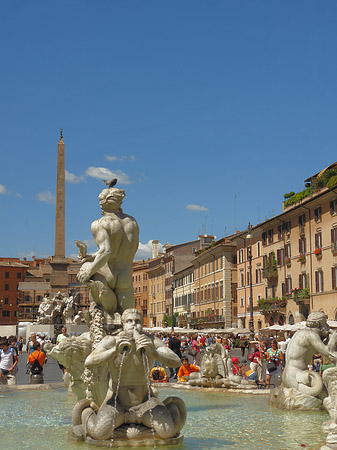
(290, 398)
(36, 379)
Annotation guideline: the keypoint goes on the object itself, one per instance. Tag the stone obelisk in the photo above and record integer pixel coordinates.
(59, 275)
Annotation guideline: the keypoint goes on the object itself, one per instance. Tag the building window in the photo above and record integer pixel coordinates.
(270, 236)
(280, 230)
(319, 281)
(5, 314)
(264, 238)
(258, 276)
(288, 285)
(6, 287)
(333, 207)
(287, 251)
(242, 278)
(18, 275)
(6, 274)
(302, 281)
(334, 238)
(301, 246)
(6, 301)
(318, 240)
(334, 277)
(318, 214)
(241, 302)
(280, 256)
(241, 255)
(258, 248)
(287, 227)
(301, 220)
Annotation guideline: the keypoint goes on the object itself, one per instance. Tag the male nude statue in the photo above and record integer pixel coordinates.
(108, 272)
(303, 345)
(135, 404)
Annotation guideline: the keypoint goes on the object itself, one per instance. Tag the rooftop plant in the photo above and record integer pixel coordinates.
(327, 179)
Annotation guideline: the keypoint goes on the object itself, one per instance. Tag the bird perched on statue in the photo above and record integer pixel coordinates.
(110, 183)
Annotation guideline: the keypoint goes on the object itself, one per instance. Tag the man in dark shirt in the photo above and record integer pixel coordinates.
(174, 345)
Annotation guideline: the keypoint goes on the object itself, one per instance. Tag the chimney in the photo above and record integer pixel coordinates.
(155, 249)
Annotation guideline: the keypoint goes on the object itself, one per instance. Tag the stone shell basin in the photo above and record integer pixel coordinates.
(217, 419)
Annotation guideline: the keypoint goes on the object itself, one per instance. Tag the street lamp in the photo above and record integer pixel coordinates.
(172, 291)
(249, 256)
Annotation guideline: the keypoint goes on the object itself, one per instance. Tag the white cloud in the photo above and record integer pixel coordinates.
(90, 243)
(46, 197)
(142, 178)
(105, 174)
(196, 208)
(30, 254)
(145, 250)
(115, 158)
(72, 178)
(3, 190)
(119, 158)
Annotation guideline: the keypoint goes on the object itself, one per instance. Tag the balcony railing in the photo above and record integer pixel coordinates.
(208, 320)
(271, 305)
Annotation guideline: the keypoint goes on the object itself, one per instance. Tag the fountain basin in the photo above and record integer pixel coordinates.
(217, 420)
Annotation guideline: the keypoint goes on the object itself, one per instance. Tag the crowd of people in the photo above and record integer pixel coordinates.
(11, 348)
(261, 359)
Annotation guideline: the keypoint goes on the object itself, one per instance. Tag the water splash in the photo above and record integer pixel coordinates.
(117, 390)
(147, 375)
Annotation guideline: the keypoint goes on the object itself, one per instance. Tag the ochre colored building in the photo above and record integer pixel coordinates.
(141, 288)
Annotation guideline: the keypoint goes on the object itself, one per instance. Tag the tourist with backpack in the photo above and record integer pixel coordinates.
(8, 362)
(36, 360)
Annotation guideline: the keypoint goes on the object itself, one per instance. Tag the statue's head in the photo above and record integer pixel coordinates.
(317, 319)
(111, 199)
(132, 319)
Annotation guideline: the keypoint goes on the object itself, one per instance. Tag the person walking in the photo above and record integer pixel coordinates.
(174, 345)
(8, 363)
(59, 338)
(30, 343)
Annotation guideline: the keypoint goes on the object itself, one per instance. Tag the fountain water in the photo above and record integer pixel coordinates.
(147, 371)
(216, 420)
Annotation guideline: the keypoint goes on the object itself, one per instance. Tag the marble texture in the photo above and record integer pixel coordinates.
(108, 271)
(302, 388)
(130, 401)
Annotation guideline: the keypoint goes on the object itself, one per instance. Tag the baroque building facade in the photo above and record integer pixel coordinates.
(294, 263)
(141, 288)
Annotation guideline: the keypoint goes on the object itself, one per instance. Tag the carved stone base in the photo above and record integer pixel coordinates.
(125, 436)
(290, 398)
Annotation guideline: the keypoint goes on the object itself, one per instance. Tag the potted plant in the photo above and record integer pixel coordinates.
(287, 261)
(301, 259)
(318, 252)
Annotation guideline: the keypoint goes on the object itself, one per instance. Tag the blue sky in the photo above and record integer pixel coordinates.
(224, 105)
